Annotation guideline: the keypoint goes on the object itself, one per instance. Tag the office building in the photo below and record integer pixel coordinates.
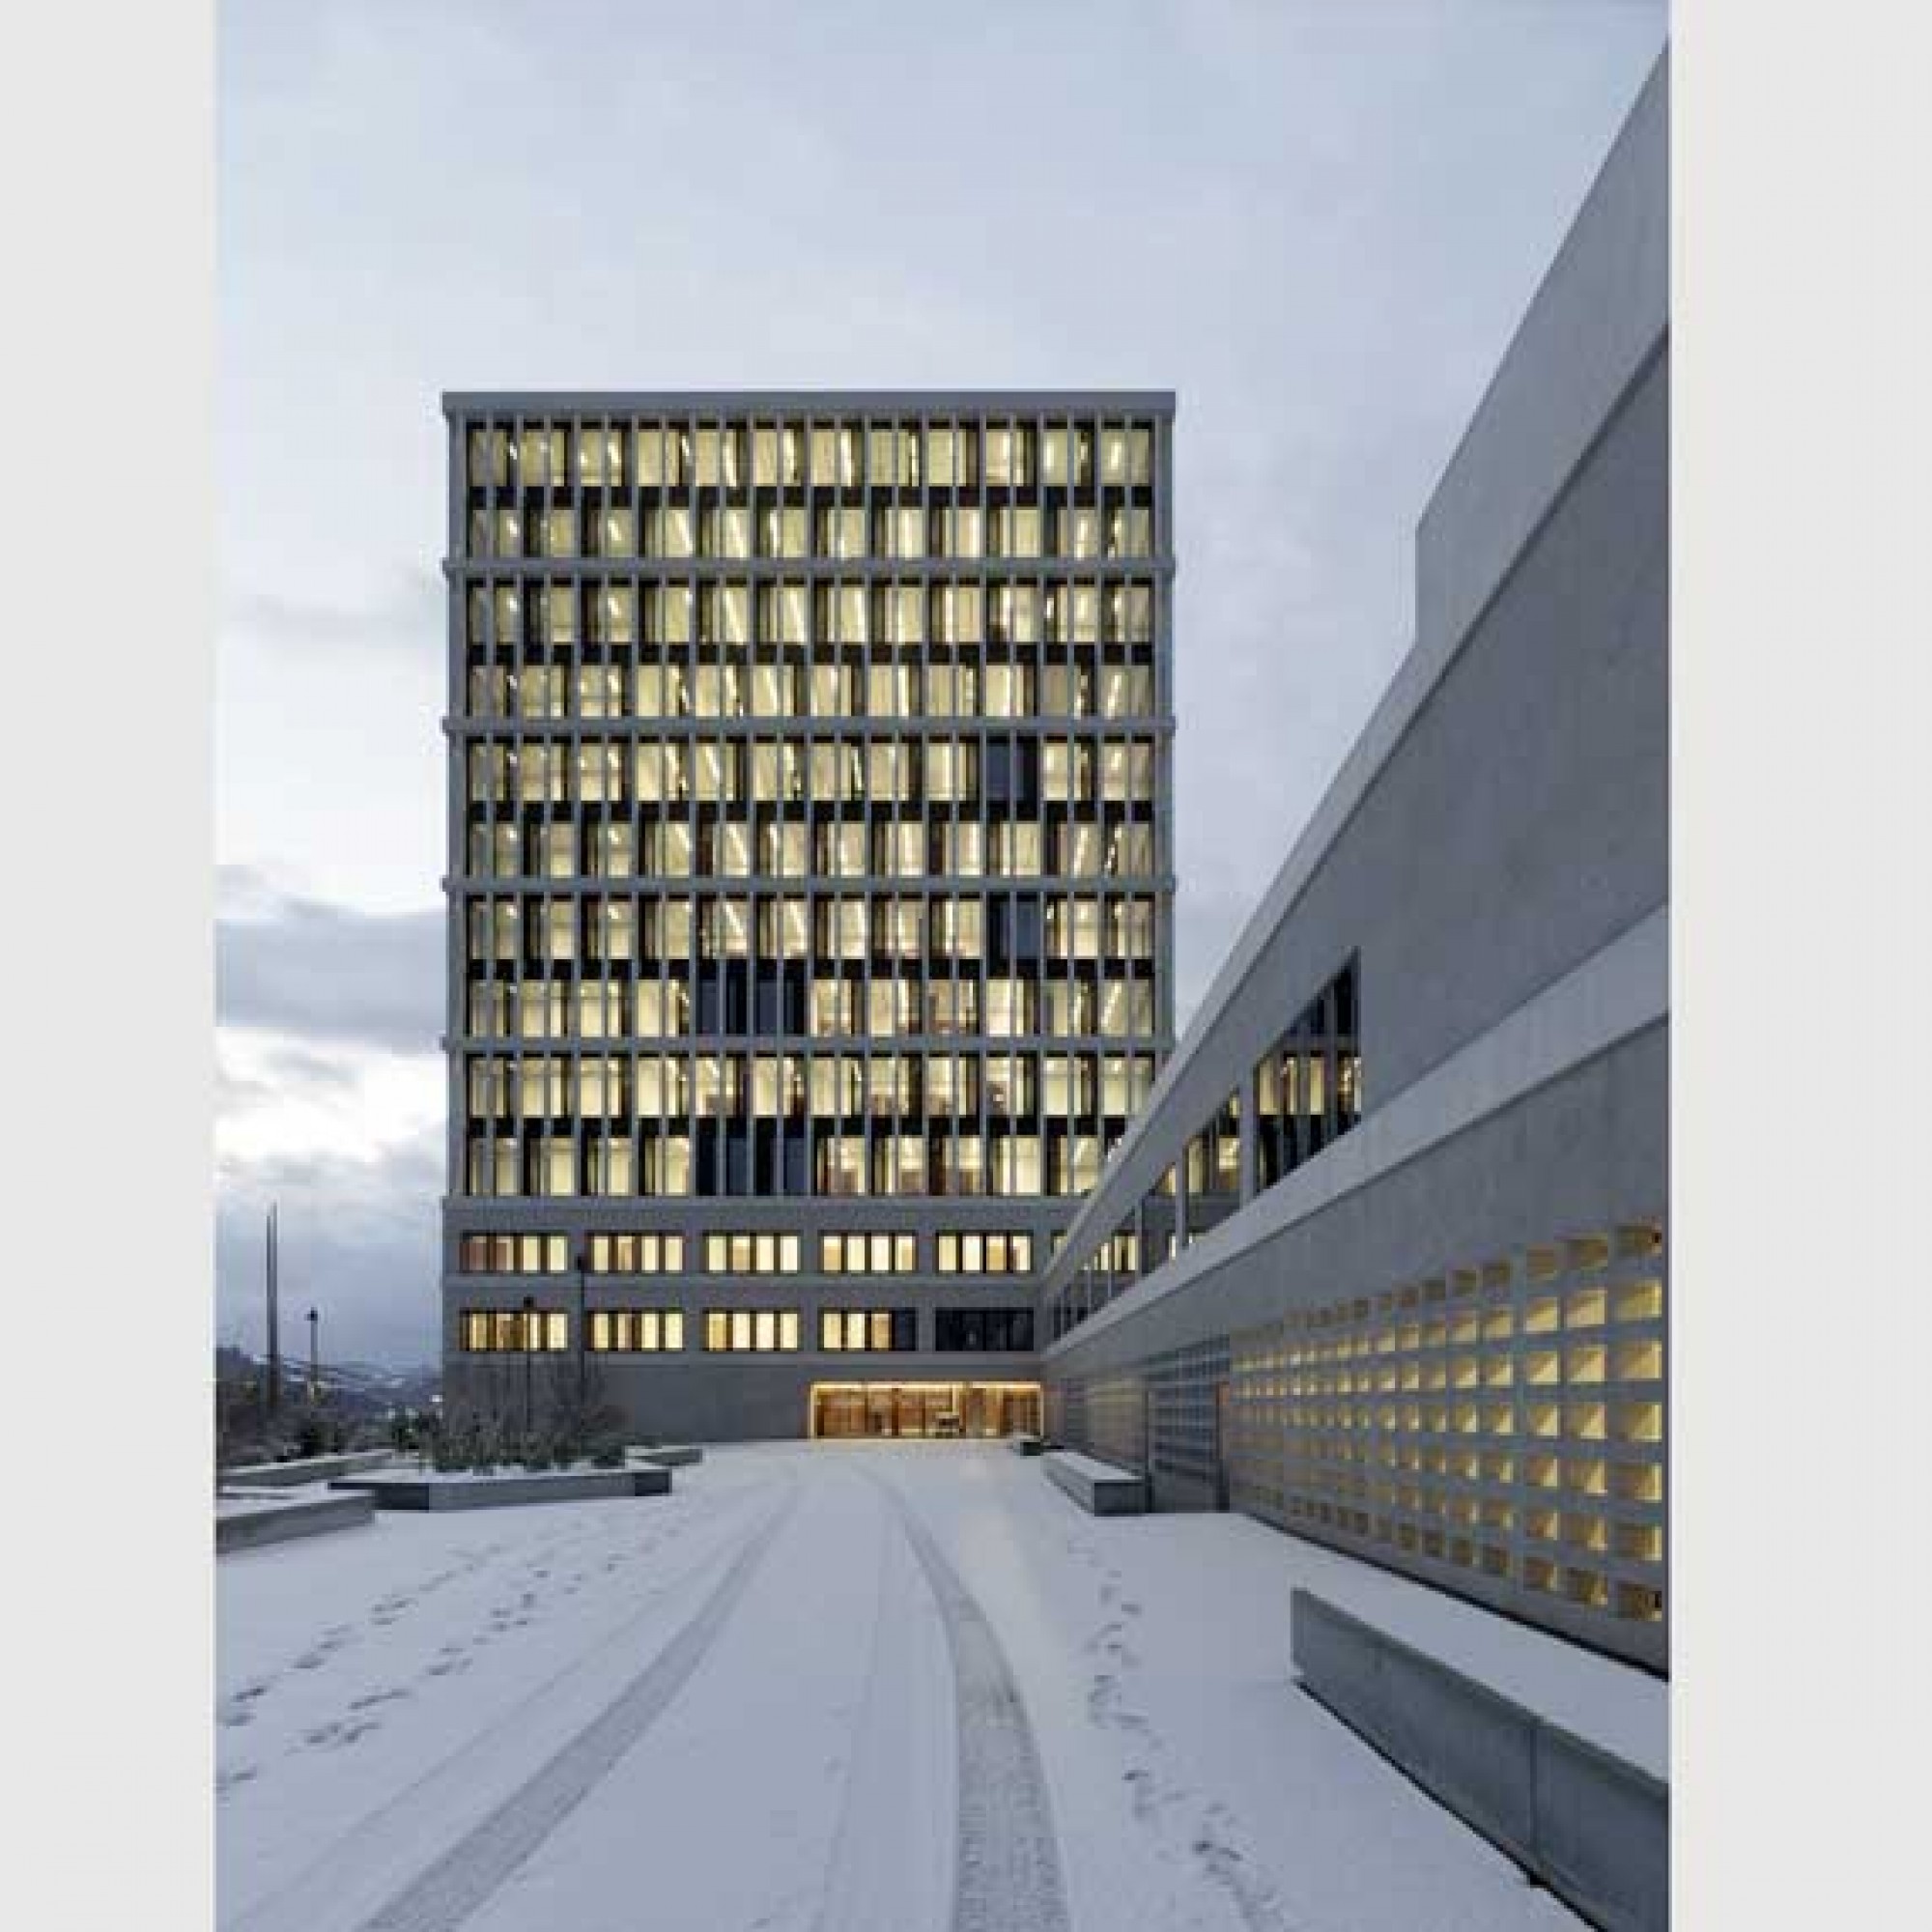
(809, 889)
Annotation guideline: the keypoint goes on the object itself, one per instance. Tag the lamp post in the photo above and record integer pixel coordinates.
(271, 1383)
(582, 1263)
(530, 1344)
(313, 1356)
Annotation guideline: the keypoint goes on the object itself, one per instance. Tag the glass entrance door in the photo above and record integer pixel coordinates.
(916, 1412)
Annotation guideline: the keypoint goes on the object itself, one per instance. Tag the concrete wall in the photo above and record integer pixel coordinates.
(1555, 505)
(1578, 1153)
(1595, 321)
(1494, 856)
(1593, 1829)
(1519, 824)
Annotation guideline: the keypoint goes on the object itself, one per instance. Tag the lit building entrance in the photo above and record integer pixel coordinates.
(919, 1410)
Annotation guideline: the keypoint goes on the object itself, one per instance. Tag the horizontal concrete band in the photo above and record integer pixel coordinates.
(1593, 1828)
(736, 404)
(1618, 991)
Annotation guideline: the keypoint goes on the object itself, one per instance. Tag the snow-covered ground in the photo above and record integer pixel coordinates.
(838, 1689)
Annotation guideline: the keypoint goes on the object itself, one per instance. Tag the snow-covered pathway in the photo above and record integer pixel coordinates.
(820, 1688)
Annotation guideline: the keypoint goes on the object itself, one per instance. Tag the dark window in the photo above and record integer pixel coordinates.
(983, 1330)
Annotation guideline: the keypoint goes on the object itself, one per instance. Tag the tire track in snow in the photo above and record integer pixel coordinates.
(441, 1896)
(845, 1882)
(471, 1871)
(897, 1762)
(1007, 1874)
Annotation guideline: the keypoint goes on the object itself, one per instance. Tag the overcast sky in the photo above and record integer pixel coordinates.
(1317, 223)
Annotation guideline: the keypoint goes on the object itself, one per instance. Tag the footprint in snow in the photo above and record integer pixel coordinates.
(234, 1711)
(338, 1732)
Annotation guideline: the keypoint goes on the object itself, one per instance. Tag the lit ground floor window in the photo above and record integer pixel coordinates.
(756, 1331)
(636, 1331)
(855, 1330)
(498, 1331)
(919, 1410)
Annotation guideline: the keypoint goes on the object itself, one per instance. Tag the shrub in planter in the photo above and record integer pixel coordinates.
(486, 1449)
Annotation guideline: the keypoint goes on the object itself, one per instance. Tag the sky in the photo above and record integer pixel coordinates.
(1317, 223)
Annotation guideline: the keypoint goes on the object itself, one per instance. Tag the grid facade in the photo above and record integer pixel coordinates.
(809, 847)
(1503, 1420)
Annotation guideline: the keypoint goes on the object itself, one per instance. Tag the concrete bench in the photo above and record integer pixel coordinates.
(309, 1469)
(254, 1517)
(668, 1455)
(1027, 1445)
(1100, 1488)
(465, 1490)
(1593, 1828)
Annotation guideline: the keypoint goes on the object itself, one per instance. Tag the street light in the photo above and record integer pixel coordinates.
(314, 1355)
(582, 1263)
(530, 1344)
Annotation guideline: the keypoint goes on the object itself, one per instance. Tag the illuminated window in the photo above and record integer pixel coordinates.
(857, 1330)
(498, 1331)
(636, 1331)
(872, 1253)
(752, 1253)
(522, 1253)
(751, 1331)
(640, 1252)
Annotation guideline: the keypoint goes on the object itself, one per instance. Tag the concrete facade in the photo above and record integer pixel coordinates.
(1439, 1342)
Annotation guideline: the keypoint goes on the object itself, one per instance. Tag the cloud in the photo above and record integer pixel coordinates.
(404, 613)
(359, 1242)
(330, 1099)
(321, 971)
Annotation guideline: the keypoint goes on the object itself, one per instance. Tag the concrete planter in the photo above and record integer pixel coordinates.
(252, 1521)
(1593, 1829)
(310, 1469)
(433, 1489)
(1099, 1487)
